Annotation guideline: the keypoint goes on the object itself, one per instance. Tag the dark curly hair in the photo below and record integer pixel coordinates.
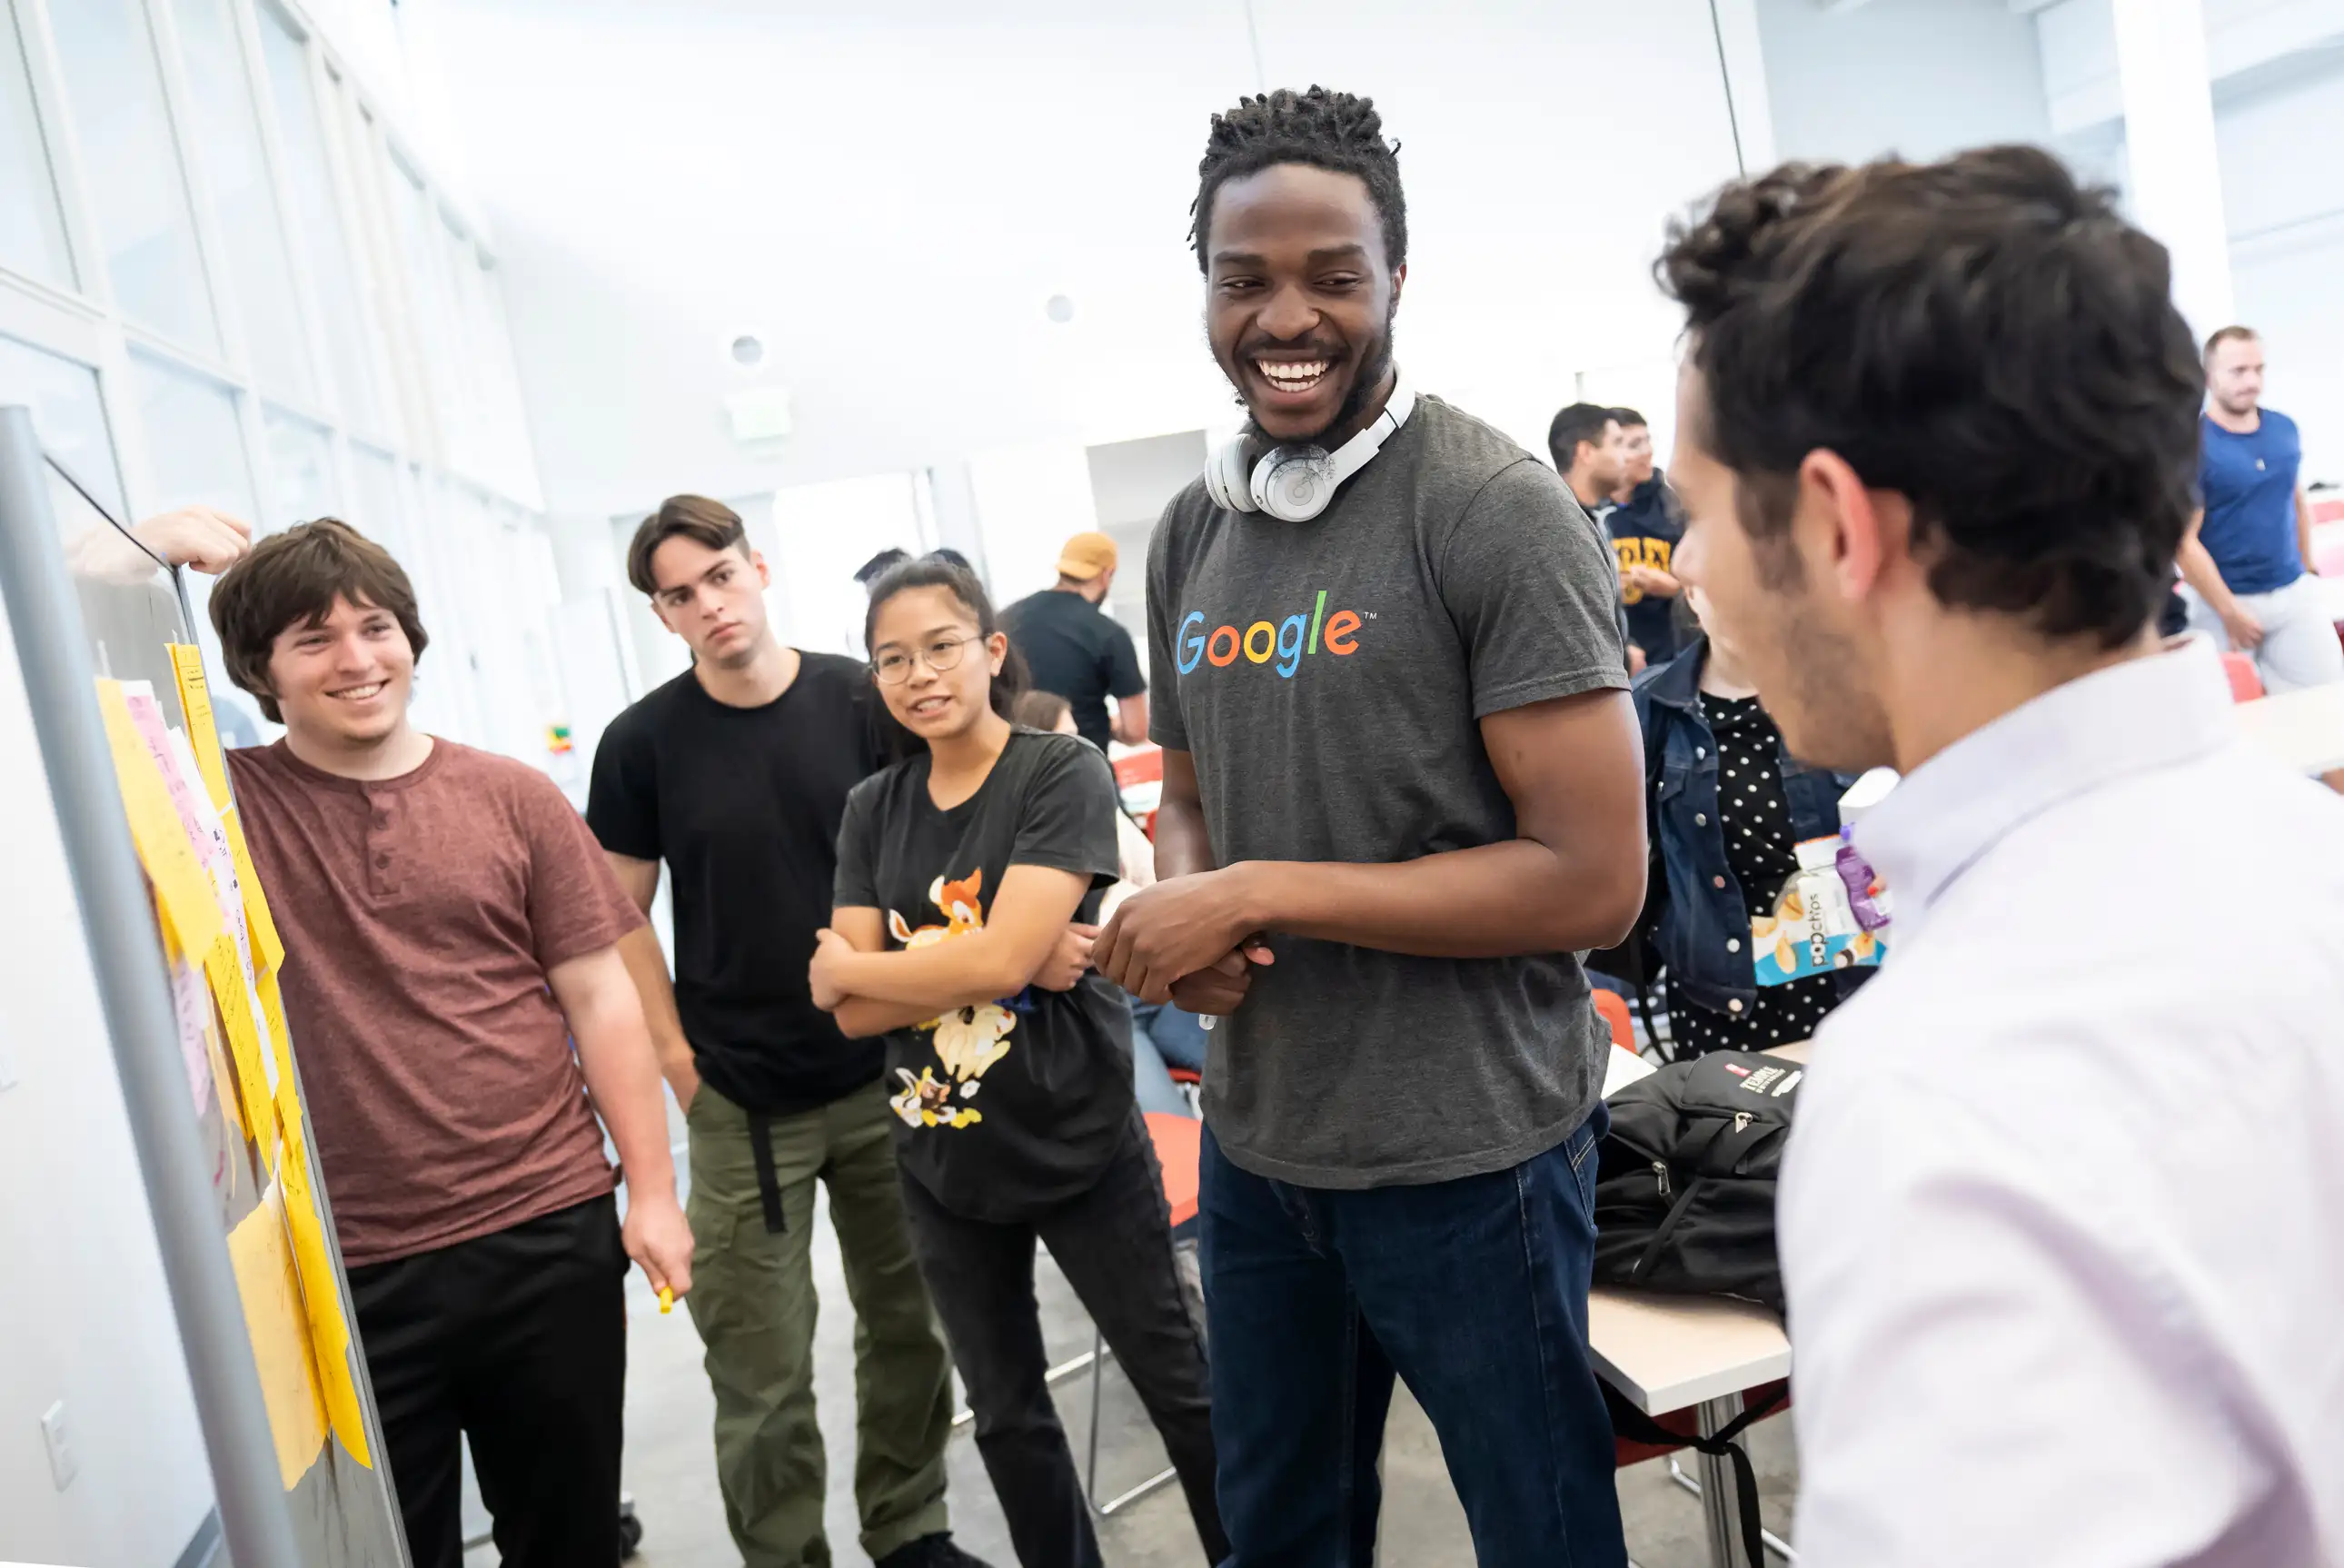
(1338, 132)
(1982, 335)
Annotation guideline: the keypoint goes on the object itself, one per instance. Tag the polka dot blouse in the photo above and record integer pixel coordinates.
(1760, 851)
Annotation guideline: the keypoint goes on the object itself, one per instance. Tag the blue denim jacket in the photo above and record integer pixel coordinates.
(1694, 912)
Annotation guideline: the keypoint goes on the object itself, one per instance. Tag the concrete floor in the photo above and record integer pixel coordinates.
(670, 1468)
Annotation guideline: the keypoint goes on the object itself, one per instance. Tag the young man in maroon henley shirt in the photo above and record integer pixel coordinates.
(450, 929)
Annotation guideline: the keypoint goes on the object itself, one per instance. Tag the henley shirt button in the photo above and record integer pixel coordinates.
(1733, 944)
(1735, 1006)
(382, 819)
(382, 862)
(1699, 820)
(1717, 882)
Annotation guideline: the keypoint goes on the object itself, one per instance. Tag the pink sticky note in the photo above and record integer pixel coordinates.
(192, 1004)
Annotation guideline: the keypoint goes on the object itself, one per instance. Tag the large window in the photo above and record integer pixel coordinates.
(194, 454)
(213, 264)
(318, 216)
(195, 448)
(300, 471)
(70, 422)
(429, 318)
(137, 184)
(244, 206)
(32, 230)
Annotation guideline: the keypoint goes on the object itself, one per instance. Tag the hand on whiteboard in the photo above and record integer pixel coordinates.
(210, 541)
(658, 1237)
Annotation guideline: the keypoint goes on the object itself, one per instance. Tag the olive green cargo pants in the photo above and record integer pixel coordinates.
(752, 1299)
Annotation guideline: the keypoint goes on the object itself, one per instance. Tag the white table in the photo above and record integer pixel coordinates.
(2304, 730)
(1669, 1354)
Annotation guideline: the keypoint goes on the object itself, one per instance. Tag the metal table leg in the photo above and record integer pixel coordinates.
(1720, 1521)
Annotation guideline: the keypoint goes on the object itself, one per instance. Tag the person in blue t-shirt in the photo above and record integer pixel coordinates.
(2247, 553)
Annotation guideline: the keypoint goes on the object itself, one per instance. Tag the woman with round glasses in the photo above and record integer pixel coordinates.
(958, 871)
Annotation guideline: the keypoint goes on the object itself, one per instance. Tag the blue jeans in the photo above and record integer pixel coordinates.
(1163, 1037)
(1473, 1291)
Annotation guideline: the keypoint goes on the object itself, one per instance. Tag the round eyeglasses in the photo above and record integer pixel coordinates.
(894, 666)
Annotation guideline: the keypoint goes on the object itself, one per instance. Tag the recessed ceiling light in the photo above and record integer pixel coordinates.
(1060, 308)
(748, 350)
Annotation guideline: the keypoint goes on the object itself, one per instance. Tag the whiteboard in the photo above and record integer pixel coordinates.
(72, 626)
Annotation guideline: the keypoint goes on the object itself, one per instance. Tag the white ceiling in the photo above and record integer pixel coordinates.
(889, 193)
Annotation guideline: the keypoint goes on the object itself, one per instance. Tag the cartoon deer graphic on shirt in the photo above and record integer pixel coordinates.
(968, 1039)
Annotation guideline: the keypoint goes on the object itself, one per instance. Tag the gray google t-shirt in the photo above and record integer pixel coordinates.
(1328, 677)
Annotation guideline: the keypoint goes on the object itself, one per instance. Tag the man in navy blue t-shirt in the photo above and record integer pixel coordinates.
(2247, 556)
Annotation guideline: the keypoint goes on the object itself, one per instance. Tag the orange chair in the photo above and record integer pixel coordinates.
(1179, 1145)
(1614, 1008)
(2246, 684)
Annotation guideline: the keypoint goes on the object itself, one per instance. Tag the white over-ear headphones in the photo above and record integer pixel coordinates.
(1295, 484)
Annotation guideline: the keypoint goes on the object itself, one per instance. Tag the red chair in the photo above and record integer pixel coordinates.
(1142, 765)
(1614, 1008)
(1772, 1398)
(1180, 1144)
(1627, 1450)
(2246, 682)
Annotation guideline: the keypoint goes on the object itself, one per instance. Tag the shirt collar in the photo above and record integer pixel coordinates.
(2134, 717)
(1677, 683)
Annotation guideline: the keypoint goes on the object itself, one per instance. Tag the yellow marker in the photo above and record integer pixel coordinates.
(667, 1299)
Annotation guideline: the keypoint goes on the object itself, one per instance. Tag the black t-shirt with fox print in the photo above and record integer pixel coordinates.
(1012, 1106)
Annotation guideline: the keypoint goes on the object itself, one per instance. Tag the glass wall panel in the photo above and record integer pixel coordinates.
(195, 455)
(317, 218)
(32, 226)
(70, 422)
(137, 189)
(430, 315)
(300, 471)
(244, 206)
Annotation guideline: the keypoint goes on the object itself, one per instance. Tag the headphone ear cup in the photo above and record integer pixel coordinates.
(1225, 477)
(1293, 484)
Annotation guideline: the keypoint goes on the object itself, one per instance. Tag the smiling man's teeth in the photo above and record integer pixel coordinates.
(1292, 377)
(359, 694)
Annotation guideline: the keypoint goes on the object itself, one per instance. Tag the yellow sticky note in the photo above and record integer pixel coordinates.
(224, 1084)
(321, 1293)
(279, 1327)
(203, 732)
(181, 887)
(280, 1045)
(268, 947)
(226, 972)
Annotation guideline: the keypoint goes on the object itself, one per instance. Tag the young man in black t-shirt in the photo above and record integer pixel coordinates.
(736, 773)
(1075, 650)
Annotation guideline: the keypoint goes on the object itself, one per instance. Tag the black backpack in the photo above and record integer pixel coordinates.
(1684, 1185)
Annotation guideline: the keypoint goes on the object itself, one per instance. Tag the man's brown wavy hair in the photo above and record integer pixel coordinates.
(1982, 335)
(294, 577)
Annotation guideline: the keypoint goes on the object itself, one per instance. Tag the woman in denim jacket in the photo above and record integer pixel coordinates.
(1728, 807)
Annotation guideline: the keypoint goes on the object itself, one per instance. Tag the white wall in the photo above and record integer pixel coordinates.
(86, 1319)
(1921, 78)
(2078, 45)
(2277, 73)
(890, 194)
(2284, 205)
